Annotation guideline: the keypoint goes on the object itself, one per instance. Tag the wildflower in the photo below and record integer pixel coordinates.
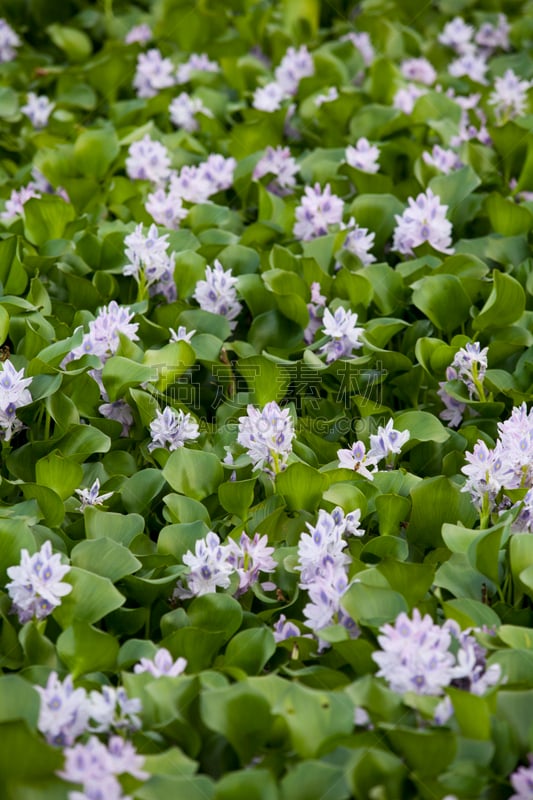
(267, 436)
(362, 42)
(217, 171)
(269, 97)
(95, 766)
(444, 160)
(140, 34)
(357, 459)
(424, 221)
(317, 211)
(418, 69)
(183, 110)
(284, 629)
(19, 197)
(387, 441)
(119, 411)
(486, 473)
(494, 36)
(171, 429)
(36, 585)
(343, 333)
(181, 335)
(38, 109)
(9, 41)
(153, 73)
(522, 782)
(112, 709)
(457, 34)
(454, 409)
(510, 95)
(249, 557)
(295, 65)
(63, 712)
(217, 293)
(405, 98)
(277, 162)
(359, 242)
(209, 567)
(470, 365)
(315, 309)
(14, 394)
(148, 160)
(150, 264)
(197, 62)
(363, 156)
(190, 184)
(166, 208)
(470, 65)
(161, 665)
(91, 497)
(327, 97)
(103, 337)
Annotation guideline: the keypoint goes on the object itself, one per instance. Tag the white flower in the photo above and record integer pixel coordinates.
(363, 156)
(183, 110)
(424, 221)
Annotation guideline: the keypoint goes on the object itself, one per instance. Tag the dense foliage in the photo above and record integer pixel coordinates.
(266, 318)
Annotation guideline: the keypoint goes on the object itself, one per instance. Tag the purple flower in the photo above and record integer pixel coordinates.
(343, 333)
(15, 204)
(457, 34)
(250, 557)
(387, 441)
(148, 160)
(161, 665)
(363, 156)
(166, 207)
(183, 110)
(91, 497)
(269, 97)
(197, 62)
(14, 394)
(295, 65)
(38, 109)
(36, 586)
(140, 34)
(217, 293)
(358, 459)
(284, 629)
(95, 766)
(510, 95)
(359, 242)
(418, 69)
(112, 709)
(405, 98)
(149, 262)
(445, 161)
(424, 221)
(119, 411)
(363, 43)
(522, 782)
(318, 210)
(9, 41)
(471, 65)
(63, 712)
(209, 567)
(277, 162)
(153, 74)
(171, 429)
(267, 436)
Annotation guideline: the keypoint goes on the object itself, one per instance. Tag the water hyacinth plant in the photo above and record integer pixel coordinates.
(266, 348)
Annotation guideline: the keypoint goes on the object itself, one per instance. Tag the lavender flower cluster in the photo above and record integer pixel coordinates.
(508, 466)
(386, 442)
(267, 436)
(213, 564)
(419, 656)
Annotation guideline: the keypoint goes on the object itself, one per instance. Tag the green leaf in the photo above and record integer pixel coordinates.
(46, 218)
(266, 380)
(237, 496)
(104, 557)
(85, 649)
(59, 474)
(373, 605)
(455, 187)
(313, 780)
(247, 785)
(194, 473)
(392, 510)
(14, 535)
(301, 486)
(18, 700)
(119, 374)
(179, 538)
(250, 650)
(443, 300)
(506, 217)
(75, 43)
(504, 306)
(139, 490)
(91, 598)
(169, 362)
(422, 426)
(470, 613)
(24, 755)
(121, 528)
(426, 752)
(437, 501)
(240, 714)
(95, 151)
